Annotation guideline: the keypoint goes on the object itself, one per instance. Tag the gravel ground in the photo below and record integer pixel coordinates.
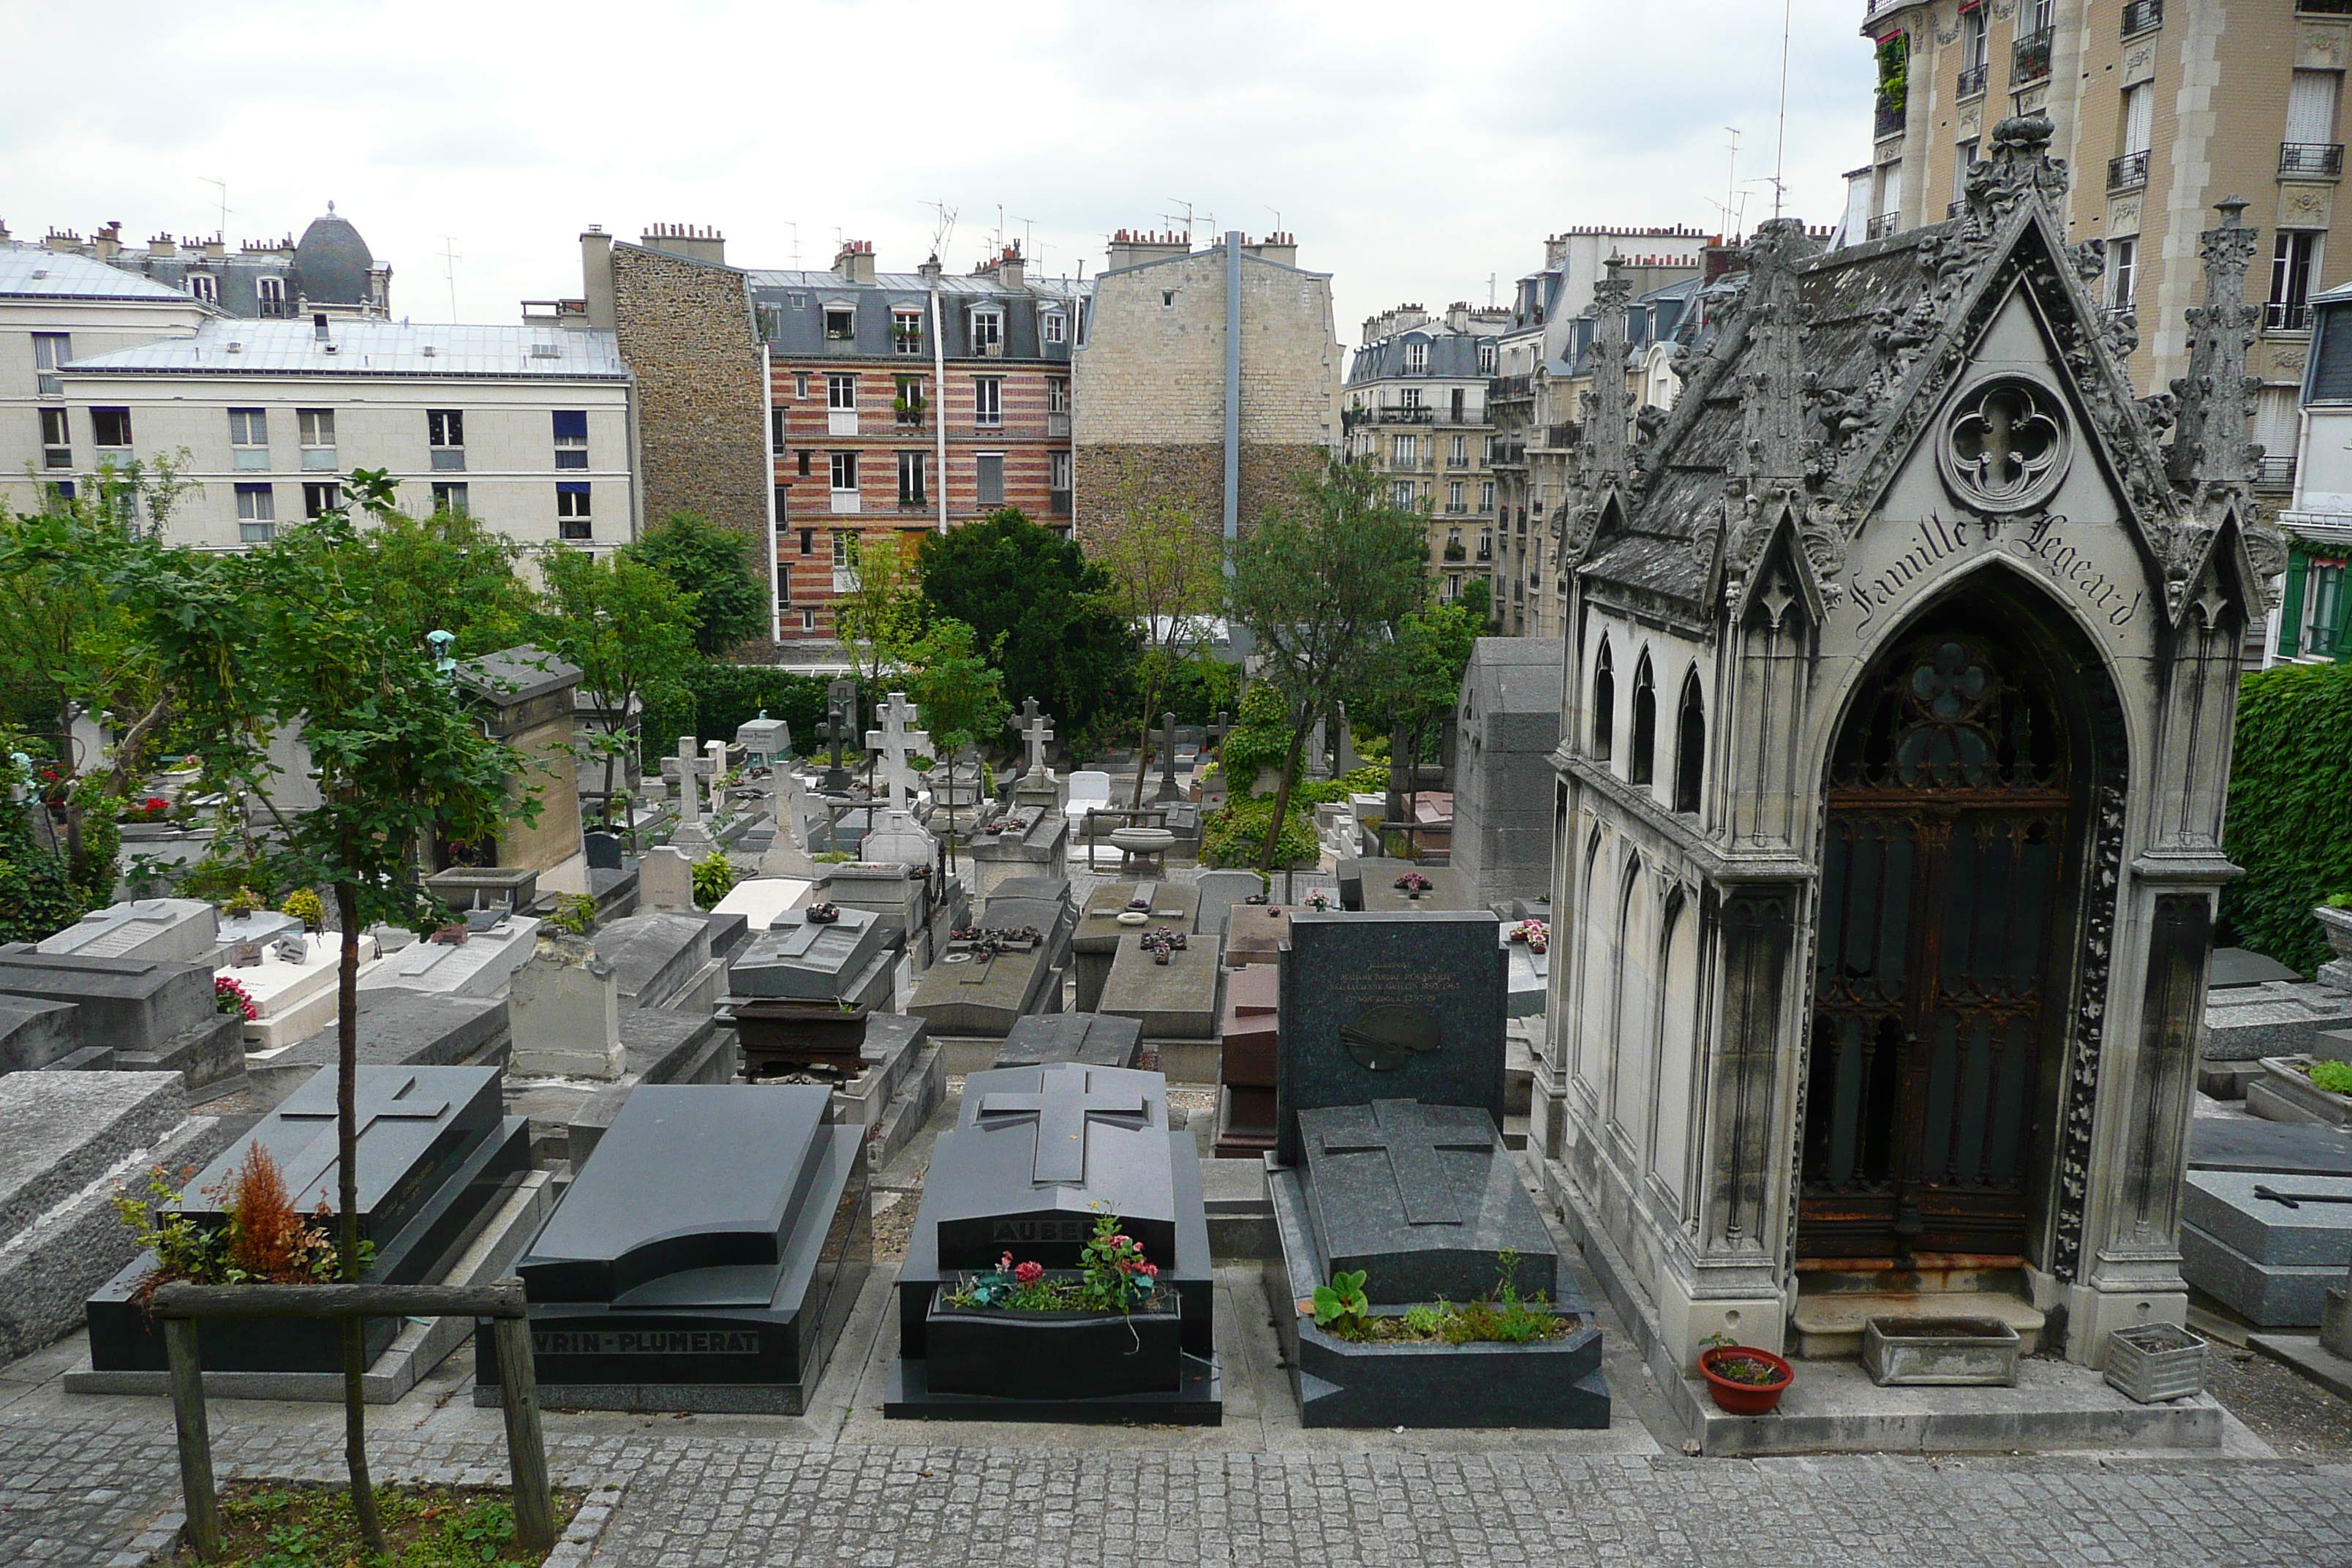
(2287, 1410)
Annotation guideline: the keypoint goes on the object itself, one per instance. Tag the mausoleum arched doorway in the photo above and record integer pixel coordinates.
(1958, 802)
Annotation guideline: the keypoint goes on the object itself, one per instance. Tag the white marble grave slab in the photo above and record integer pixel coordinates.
(482, 965)
(762, 898)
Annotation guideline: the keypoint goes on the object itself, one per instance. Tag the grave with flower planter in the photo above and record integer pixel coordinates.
(1060, 1267)
(1007, 965)
(706, 1258)
(1415, 1284)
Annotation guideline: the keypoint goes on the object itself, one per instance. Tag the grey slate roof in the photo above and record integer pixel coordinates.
(1451, 356)
(369, 348)
(27, 272)
(791, 306)
(1514, 675)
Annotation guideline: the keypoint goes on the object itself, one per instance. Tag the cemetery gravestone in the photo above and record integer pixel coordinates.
(805, 989)
(1390, 1159)
(481, 965)
(133, 1013)
(35, 1033)
(899, 742)
(1256, 935)
(1167, 982)
(604, 850)
(1037, 1155)
(1508, 724)
(760, 899)
(436, 1153)
(401, 1027)
(1035, 731)
(706, 1258)
(1089, 1039)
(665, 879)
(1009, 966)
(898, 839)
(1119, 909)
(1245, 1077)
(565, 1012)
(764, 741)
(2267, 1246)
(174, 930)
(1220, 892)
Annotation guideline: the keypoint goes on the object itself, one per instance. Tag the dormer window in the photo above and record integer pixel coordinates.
(1416, 359)
(1486, 358)
(988, 333)
(840, 323)
(204, 286)
(906, 332)
(272, 293)
(1053, 327)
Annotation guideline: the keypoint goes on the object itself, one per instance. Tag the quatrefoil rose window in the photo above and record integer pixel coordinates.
(2006, 445)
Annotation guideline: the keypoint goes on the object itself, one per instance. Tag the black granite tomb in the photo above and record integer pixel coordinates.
(706, 1258)
(436, 1154)
(1037, 1156)
(1090, 1039)
(1389, 1160)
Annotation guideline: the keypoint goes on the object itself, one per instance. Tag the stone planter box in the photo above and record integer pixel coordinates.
(2337, 924)
(1943, 1352)
(2285, 1092)
(2156, 1362)
(1056, 1355)
(778, 1032)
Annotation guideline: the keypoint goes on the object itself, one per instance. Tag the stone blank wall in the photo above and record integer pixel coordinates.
(686, 331)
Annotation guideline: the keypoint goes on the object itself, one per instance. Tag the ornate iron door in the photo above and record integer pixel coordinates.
(1942, 872)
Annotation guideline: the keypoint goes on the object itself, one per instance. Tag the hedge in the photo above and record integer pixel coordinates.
(721, 697)
(2290, 822)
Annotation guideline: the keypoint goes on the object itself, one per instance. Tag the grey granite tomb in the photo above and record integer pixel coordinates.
(134, 1013)
(1506, 723)
(706, 1258)
(2270, 1262)
(179, 929)
(974, 992)
(1118, 909)
(35, 1033)
(1175, 1000)
(1089, 1039)
(846, 960)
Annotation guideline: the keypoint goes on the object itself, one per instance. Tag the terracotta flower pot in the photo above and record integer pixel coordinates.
(1736, 1398)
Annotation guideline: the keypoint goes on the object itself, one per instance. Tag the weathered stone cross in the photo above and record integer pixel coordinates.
(689, 793)
(1035, 733)
(1168, 790)
(840, 724)
(1404, 1132)
(897, 740)
(1062, 1113)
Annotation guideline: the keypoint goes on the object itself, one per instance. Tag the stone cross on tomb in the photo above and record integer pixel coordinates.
(1168, 790)
(1035, 733)
(715, 764)
(1062, 1113)
(1347, 762)
(1219, 728)
(689, 794)
(897, 741)
(1404, 1132)
(840, 728)
(378, 1099)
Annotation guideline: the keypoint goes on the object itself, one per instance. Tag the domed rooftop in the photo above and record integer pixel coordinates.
(334, 261)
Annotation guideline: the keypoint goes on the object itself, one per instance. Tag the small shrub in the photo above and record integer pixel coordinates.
(2335, 1078)
(576, 912)
(714, 877)
(1233, 835)
(242, 902)
(305, 906)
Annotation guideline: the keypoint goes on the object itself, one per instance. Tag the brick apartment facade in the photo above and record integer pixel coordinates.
(905, 403)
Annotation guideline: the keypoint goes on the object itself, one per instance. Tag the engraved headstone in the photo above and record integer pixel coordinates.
(565, 1009)
(179, 930)
(665, 879)
(1035, 731)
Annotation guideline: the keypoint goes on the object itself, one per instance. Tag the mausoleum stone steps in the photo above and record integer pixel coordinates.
(1829, 1323)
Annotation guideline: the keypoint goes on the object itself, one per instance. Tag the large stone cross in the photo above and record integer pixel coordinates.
(378, 1100)
(1168, 790)
(1035, 733)
(1062, 1113)
(897, 741)
(1404, 1132)
(840, 728)
(689, 793)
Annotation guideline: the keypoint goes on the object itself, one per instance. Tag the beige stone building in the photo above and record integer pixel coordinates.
(1416, 410)
(2163, 109)
(1209, 376)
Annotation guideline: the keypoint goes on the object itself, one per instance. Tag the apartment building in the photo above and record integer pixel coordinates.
(2163, 109)
(2313, 623)
(329, 270)
(1209, 379)
(1533, 401)
(901, 402)
(1416, 409)
(54, 305)
(526, 428)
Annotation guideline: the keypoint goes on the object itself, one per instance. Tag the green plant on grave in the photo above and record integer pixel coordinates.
(2339, 901)
(714, 877)
(2335, 1078)
(242, 902)
(1427, 1322)
(1342, 1306)
(305, 906)
(576, 913)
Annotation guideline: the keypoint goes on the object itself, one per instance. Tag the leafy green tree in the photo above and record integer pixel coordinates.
(449, 572)
(631, 632)
(1036, 604)
(1322, 589)
(1164, 572)
(883, 614)
(714, 564)
(1478, 600)
(961, 695)
(294, 632)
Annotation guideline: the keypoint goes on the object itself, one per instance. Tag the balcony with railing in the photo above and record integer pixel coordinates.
(2311, 160)
(1886, 119)
(2276, 474)
(2286, 316)
(2140, 15)
(2129, 172)
(1972, 81)
(1510, 389)
(1401, 416)
(2029, 58)
(1510, 454)
(1884, 225)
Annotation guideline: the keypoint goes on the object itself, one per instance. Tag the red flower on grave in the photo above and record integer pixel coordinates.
(1028, 1273)
(1005, 1261)
(1152, 1270)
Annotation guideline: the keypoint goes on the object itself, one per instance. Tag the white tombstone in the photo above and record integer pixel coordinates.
(689, 798)
(716, 765)
(760, 899)
(296, 998)
(898, 740)
(665, 880)
(565, 1013)
(898, 839)
(1087, 789)
(90, 739)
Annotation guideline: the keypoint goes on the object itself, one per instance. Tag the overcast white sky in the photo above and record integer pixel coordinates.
(1413, 149)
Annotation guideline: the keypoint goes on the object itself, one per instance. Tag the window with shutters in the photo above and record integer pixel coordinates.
(2123, 272)
(571, 437)
(988, 478)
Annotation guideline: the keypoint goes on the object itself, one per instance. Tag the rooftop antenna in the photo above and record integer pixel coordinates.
(1277, 218)
(1490, 291)
(222, 186)
(1731, 175)
(943, 227)
(1028, 231)
(450, 259)
(1780, 137)
(1170, 218)
(796, 243)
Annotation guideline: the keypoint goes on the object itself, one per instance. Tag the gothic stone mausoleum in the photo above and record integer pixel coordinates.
(1896, 730)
